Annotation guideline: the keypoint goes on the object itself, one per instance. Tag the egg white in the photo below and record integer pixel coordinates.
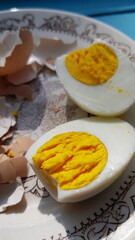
(111, 98)
(119, 138)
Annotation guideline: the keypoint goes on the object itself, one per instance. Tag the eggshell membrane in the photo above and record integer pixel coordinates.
(119, 138)
(111, 98)
(20, 54)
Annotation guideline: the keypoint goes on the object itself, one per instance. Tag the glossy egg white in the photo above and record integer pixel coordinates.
(119, 138)
(111, 98)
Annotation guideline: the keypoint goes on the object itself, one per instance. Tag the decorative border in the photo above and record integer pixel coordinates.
(59, 24)
(119, 210)
(64, 25)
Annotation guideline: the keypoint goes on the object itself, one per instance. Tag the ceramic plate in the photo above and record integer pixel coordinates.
(110, 214)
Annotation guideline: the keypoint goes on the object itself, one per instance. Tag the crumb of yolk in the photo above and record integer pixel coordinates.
(10, 154)
(15, 113)
(93, 65)
(120, 90)
(74, 159)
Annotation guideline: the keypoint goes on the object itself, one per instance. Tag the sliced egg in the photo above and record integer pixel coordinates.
(101, 81)
(118, 138)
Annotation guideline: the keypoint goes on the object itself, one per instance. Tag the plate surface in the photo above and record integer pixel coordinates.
(109, 215)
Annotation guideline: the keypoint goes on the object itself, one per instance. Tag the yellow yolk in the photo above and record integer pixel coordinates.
(74, 159)
(10, 154)
(93, 65)
(15, 113)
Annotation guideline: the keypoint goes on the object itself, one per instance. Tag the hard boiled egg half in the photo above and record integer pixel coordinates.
(100, 79)
(78, 159)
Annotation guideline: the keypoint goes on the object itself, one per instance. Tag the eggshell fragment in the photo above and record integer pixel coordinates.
(7, 170)
(21, 145)
(20, 164)
(8, 41)
(4, 148)
(12, 194)
(11, 168)
(8, 134)
(20, 54)
(6, 119)
(22, 90)
(49, 49)
(26, 74)
(15, 166)
(3, 157)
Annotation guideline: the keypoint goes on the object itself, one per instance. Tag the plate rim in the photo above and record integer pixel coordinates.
(5, 12)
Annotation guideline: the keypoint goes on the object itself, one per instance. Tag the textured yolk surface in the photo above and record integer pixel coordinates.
(94, 65)
(74, 159)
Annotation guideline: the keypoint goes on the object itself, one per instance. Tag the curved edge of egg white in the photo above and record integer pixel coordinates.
(120, 152)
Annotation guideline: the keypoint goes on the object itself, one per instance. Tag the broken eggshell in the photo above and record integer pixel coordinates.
(11, 168)
(47, 50)
(7, 135)
(16, 48)
(23, 57)
(15, 83)
(21, 145)
(24, 75)
(22, 90)
(10, 194)
(7, 120)
(13, 164)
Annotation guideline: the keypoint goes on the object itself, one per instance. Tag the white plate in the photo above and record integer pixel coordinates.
(109, 215)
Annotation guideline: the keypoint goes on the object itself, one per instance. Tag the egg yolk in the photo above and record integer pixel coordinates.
(93, 65)
(73, 159)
